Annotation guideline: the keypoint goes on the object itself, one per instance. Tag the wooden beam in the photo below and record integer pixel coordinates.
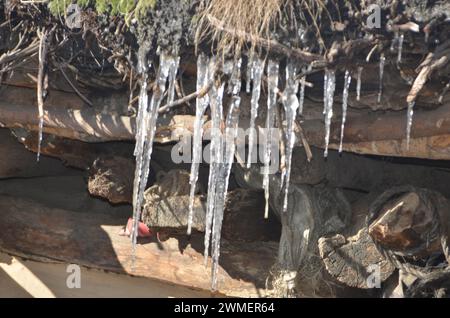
(37, 232)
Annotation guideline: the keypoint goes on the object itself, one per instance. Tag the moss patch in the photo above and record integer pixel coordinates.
(112, 7)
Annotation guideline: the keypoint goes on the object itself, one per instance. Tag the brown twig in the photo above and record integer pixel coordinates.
(432, 62)
(299, 130)
(200, 93)
(84, 98)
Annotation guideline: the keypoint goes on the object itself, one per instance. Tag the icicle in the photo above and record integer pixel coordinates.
(302, 89)
(302, 95)
(330, 85)
(215, 100)
(42, 56)
(358, 83)
(41, 128)
(380, 91)
(228, 147)
(143, 67)
(205, 74)
(173, 69)
(347, 81)
(325, 91)
(394, 41)
(227, 68)
(291, 104)
(272, 75)
(145, 139)
(250, 74)
(257, 72)
(409, 123)
(400, 47)
(291, 88)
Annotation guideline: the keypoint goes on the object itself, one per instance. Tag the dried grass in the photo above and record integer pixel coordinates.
(255, 18)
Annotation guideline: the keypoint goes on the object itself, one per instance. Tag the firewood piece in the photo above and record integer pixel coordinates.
(112, 178)
(353, 260)
(410, 226)
(400, 220)
(432, 62)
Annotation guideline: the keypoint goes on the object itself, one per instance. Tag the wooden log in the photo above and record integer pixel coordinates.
(378, 126)
(350, 171)
(354, 260)
(72, 152)
(38, 232)
(410, 222)
(312, 212)
(351, 257)
(368, 134)
(433, 147)
(89, 126)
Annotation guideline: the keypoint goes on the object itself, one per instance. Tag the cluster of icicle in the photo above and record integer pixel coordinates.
(222, 148)
(146, 126)
(225, 128)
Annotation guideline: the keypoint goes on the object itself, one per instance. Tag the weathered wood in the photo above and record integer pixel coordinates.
(354, 260)
(378, 126)
(72, 152)
(410, 221)
(351, 256)
(89, 126)
(368, 134)
(434, 147)
(37, 232)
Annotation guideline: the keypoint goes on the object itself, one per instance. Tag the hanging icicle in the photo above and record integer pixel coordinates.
(302, 95)
(205, 75)
(249, 77)
(380, 90)
(272, 80)
(400, 47)
(394, 42)
(358, 83)
(291, 104)
(409, 122)
(347, 81)
(329, 87)
(145, 136)
(42, 55)
(173, 69)
(143, 69)
(257, 72)
(215, 100)
(223, 174)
